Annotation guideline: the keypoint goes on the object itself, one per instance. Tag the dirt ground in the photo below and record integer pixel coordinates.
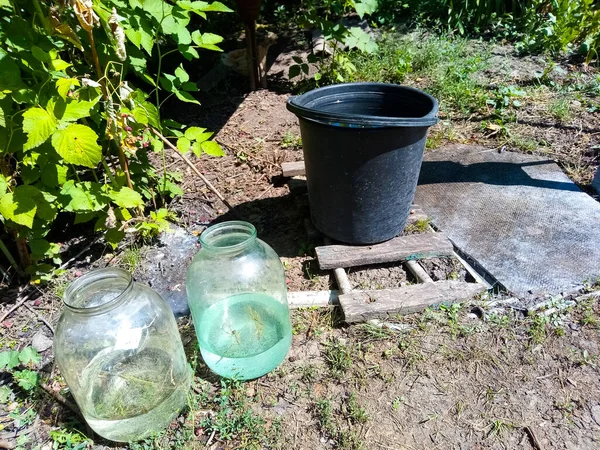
(486, 375)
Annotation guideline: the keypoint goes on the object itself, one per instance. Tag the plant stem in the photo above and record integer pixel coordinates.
(43, 19)
(22, 250)
(109, 172)
(160, 57)
(193, 167)
(10, 258)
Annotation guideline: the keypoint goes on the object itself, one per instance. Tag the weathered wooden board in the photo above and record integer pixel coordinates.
(403, 248)
(360, 306)
(303, 299)
(292, 169)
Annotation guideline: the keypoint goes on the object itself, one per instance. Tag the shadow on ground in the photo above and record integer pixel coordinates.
(496, 173)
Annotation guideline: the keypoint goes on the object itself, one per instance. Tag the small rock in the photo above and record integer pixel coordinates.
(576, 103)
(596, 413)
(41, 342)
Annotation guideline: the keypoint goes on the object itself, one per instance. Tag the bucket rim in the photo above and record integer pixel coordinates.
(296, 106)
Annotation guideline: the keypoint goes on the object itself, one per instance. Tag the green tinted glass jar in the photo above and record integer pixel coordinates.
(238, 299)
(118, 347)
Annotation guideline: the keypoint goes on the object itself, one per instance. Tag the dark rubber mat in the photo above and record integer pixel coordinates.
(519, 216)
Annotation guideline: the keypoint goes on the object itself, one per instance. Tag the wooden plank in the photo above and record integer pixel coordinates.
(292, 169)
(360, 306)
(304, 299)
(403, 248)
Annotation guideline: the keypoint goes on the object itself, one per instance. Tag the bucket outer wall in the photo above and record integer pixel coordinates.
(360, 183)
(363, 146)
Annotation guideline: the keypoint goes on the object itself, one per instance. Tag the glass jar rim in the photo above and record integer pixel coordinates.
(87, 280)
(210, 238)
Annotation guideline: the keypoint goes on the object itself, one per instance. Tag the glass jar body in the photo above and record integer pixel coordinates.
(120, 352)
(238, 299)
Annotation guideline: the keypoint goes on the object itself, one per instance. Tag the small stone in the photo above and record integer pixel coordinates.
(12, 406)
(41, 342)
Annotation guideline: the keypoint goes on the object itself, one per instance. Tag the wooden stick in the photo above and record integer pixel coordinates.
(418, 271)
(39, 317)
(14, 308)
(62, 400)
(534, 440)
(193, 167)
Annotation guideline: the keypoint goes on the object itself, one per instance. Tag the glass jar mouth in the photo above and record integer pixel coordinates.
(228, 236)
(98, 290)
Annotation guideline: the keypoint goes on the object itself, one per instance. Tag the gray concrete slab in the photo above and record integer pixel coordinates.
(519, 216)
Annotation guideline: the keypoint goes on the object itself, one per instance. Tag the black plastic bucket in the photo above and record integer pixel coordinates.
(363, 148)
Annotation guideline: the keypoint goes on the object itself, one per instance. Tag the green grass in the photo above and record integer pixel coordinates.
(443, 66)
(130, 258)
(560, 109)
(338, 357)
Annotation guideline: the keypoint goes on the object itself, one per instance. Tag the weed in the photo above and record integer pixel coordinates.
(322, 411)
(291, 141)
(452, 318)
(420, 226)
(356, 413)
(308, 373)
(234, 419)
(397, 403)
(537, 330)
(338, 357)
(368, 332)
(348, 440)
(499, 428)
(130, 258)
(459, 407)
(560, 109)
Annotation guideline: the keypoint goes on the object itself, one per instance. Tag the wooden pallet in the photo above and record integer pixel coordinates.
(359, 306)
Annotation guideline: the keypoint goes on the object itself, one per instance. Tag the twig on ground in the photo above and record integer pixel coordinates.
(39, 317)
(85, 249)
(193, 167)
(210, 438)
(14, 308)
(535, 443)
(62, 400)
(265, 192)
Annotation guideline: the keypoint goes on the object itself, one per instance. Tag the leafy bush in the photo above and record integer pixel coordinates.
(74, 131)
(326, 15)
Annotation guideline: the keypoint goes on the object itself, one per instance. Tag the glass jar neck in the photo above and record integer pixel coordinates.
(98, 291)
(228, 237)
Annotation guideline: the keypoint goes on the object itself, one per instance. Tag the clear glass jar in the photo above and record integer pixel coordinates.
(119, 350)
(238, 299)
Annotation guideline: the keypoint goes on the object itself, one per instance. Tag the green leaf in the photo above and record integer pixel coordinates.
(218, 7)
(9, 360)
(5, 394)
(113, 236)
(188, 52)
(297, 59)
(357, 38)
(18, 206)
(212, 148)
(190, 86)
(39, 125)
(182, 75)
(294, 71)
(183, 36)
(207, 40)
(26, 379)
(29, 355)
(72, 110)
(365, 7)
(54, 175)
(59, 65)
(186, 97)
(10, 75)
(146, 113)
(77, 144)
(64, 85)
(183, 144)
(79, 200)
(3, 185)
(5, 108)
(126, 198)
(40, 54)
(193, 133)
